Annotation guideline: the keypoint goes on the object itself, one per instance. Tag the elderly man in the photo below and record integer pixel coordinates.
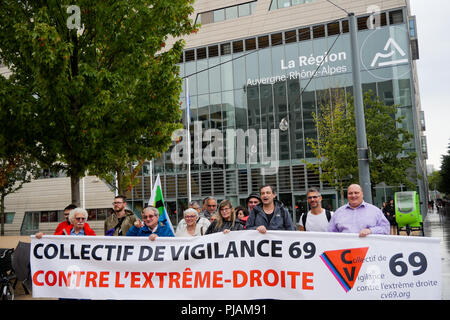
(77, 227)
(151, 226)
(211, 207)
(358, 216)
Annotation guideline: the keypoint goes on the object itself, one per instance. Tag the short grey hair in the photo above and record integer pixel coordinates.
(76, 211)
(151, 208)
(190, 210)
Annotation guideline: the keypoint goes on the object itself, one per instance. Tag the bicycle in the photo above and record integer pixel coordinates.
(6, 275)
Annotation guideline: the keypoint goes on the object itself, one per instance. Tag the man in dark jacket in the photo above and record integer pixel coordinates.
(270, 214)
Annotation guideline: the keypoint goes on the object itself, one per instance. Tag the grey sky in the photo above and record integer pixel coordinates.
(433, 25)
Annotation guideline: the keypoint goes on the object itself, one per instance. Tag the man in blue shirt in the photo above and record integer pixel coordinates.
(150, 227)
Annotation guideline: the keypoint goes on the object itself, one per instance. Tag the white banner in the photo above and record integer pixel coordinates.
(239, 265)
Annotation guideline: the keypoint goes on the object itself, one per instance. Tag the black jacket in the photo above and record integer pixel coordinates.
(281, 219)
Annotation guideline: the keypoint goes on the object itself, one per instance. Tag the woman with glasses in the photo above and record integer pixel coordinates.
(226, 219)
(188, 227)
(78, 225)
(151, 226)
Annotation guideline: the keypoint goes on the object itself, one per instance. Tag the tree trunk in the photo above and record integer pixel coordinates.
(2, 214)
(75, 190)
(120, 182)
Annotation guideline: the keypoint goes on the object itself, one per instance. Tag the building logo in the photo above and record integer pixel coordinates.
(391, 48)
(345, 265)
(384, 52)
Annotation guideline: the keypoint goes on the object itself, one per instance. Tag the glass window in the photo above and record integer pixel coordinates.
(309, 107)
(202, 77)
(319, 31)
(283, 3)
(226, 73)
(253, 106)
(238, 46)
(239, 75)
(295, 120)
(231, 12)
(207, 17)
(9, 217)
(189, 55)
(219, 15)
(333, 28)
(244, 10)
(214, 75)
(213, 51)
(362, 23)
(250, 44)
(396, 17)
(201, 53)
(225, 48)
(263, 42)
(290, 36)
(277, 39)
(304, 34)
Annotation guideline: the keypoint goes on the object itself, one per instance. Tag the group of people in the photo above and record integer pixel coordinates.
(264, 212)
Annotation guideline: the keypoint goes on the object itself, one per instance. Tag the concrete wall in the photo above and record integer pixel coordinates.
(265, 21)
(55, 194)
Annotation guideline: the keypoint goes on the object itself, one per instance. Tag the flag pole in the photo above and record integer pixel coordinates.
(188, 124)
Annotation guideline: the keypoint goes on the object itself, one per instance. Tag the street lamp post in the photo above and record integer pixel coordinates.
(361, 138)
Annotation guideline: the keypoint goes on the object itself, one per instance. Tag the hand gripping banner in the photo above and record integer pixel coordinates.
(239, 265)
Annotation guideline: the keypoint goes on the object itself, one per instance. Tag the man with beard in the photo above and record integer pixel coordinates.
(317, 218)
(121, 220)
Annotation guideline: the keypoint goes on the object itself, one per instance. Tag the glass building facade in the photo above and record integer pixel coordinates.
(273, 83)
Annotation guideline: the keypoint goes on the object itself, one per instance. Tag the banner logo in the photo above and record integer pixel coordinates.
(345, 265)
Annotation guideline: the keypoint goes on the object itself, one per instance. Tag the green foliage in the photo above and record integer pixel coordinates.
(100, 97)
(444, 185)
(336, 148)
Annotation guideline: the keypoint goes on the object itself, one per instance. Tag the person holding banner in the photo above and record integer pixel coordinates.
(191, 226)
(66, 222)
(121, 220)
(358, 216)
(270, 215)
(226, 219)
(150, 227)
(78, 226)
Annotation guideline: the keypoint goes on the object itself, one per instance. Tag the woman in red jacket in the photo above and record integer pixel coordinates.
(78, 226)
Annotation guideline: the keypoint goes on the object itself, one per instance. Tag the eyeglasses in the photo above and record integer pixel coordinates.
(80, 219)
(225, 209)
(212, 205)
(117, 203)
(150, 216)
(190, 217)
(313, 197)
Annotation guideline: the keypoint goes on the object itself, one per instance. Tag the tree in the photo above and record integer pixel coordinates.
(99, 88)
(336, 151)
(17, 166)
(444, 185)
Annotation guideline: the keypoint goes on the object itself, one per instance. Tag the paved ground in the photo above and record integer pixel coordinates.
(438, 226)
(435, 225)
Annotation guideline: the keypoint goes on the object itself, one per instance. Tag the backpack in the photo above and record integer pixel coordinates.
(327, 212)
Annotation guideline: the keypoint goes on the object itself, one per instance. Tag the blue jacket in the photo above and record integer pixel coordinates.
(281, 219)
(163, 230)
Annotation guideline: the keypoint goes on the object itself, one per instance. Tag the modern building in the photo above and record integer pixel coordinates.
(254, 73)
